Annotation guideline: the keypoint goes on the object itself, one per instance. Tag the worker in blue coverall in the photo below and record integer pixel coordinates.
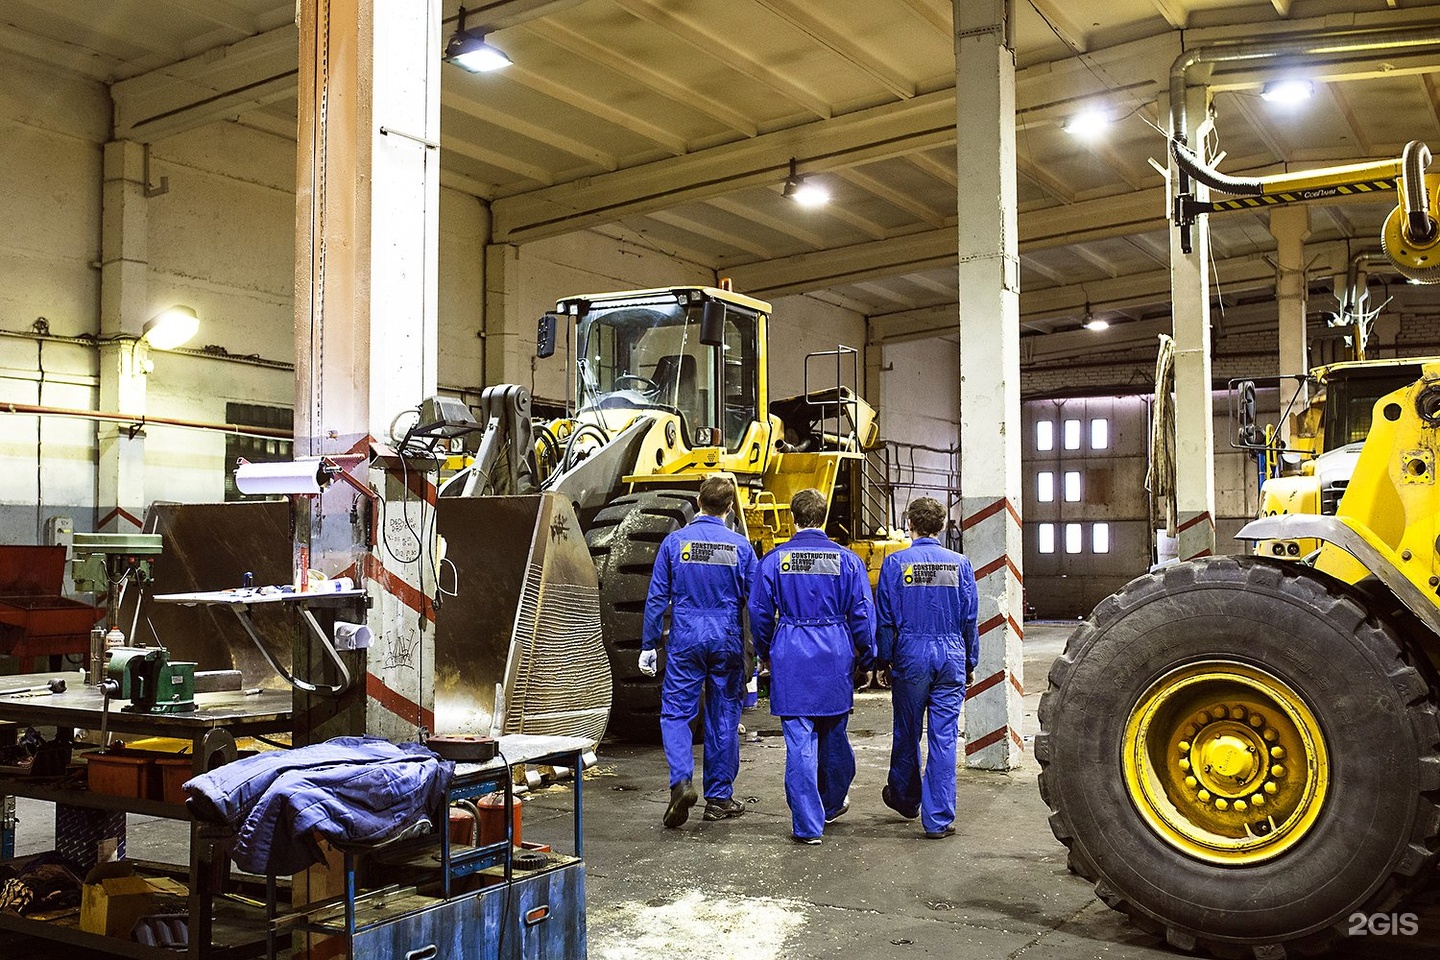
(812, 619)
(927, 636)
(702, 573)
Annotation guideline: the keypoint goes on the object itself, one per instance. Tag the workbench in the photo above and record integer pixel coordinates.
(218, 719)
(535, 914)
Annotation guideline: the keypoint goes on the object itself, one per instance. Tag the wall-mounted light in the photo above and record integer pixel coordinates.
(471, 52)
(1287, 92)
(804, 190)
(1087, 124)
(171, 328)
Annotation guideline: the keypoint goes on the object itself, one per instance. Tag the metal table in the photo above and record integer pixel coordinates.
(211, 728)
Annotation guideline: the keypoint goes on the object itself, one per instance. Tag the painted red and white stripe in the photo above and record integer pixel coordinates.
(992, 538)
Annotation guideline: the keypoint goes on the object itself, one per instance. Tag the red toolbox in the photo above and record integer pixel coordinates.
(35, 620)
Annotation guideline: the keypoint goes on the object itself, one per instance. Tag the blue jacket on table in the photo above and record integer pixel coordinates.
(704, 570)
(812, 618)
(926, 593)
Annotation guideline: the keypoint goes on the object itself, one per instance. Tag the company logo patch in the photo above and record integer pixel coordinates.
(820, 562)
(932, 575)
(715, 554)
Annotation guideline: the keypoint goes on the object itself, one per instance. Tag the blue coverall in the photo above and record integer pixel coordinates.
(928, 606)
(703, 571)
(811, 617)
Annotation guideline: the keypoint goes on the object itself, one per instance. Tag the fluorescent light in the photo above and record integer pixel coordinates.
(169, 329)
(1088, 124)
(474, 54)
(1287, 92)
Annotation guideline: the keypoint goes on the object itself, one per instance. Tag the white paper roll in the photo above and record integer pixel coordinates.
(292, 476)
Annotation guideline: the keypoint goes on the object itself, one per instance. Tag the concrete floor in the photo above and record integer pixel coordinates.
(875, 888)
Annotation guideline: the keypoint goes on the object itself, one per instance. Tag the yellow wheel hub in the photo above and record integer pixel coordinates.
(1225, 762)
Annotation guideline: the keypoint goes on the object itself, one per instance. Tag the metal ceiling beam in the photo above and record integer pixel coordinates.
(785, 226)
(1063, 24)
(1173, 11)
(732, 54)
(495, 158)
(593, 105)
(1044, 180)
(838, 43)
(218, 83)
(605, 56)
(540, 133)
(945, 173)
(1095, 260)
(710, 232)
(861, 137)
(892, 196)
(1039, 229)
(939, 19)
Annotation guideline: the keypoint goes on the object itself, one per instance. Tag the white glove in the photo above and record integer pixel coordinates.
(648, 661)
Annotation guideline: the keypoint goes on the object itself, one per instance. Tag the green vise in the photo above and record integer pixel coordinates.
(150, 680)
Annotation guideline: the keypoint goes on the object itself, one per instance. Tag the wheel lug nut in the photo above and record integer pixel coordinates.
(1270, 787)
(1270, 735)
(1222, 804)
(1184, 764)
(1257, 721)
(1237, 713)
(1191, 782)
(1240, 806)
(1277, 771)
(1258, 800)
(1184, 746)
(1204, 796)
(1277, 752)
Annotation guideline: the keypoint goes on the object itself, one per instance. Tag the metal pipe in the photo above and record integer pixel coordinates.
(1327, 46)
(35, 410)
(1420, 229)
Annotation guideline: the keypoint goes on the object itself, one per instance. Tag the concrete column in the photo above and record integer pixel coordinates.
(1290, 226)
(990, 372)
(508, 355)
(367, 243)
(124, 307)
(1194, 421)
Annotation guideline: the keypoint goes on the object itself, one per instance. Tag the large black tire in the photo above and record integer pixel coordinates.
(1374, 835)
(624, 539)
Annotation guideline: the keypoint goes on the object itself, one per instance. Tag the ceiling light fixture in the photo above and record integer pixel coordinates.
(1088, 124)
(1287, 92)
(1091, 322)
(171, 328)
(803, 190)
(472, 53)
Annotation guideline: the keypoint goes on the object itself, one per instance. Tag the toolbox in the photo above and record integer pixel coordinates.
(35, 620)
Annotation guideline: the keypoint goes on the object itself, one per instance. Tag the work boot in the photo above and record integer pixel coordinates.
(723, 809)
(808, 841)
(682, 798)
(941, 834)
(887, 796)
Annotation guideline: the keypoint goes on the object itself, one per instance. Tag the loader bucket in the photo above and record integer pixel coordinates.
(525, 625)
(517, 648)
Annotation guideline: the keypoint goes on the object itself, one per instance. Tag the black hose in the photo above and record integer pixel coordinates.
(1190, 163)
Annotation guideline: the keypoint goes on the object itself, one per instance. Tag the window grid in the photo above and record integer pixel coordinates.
(1045, 486)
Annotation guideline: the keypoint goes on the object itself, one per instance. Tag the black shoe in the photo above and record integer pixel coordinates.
(844, 809)
(940, 834)
(887, 796)
(682, 798)
(808, 841)
(723, 809)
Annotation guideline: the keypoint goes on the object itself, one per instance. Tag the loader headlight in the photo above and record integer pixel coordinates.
(1278, 549)
(1293, 549)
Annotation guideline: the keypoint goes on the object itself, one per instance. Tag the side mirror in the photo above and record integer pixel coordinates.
(712, 324)
(545, 336)
(1248, 433)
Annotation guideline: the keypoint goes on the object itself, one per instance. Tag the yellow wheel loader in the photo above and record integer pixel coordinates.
(1243, 753)
(667, 387)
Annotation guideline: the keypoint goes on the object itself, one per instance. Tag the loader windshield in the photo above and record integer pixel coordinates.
(649, 356)
(1350, 400)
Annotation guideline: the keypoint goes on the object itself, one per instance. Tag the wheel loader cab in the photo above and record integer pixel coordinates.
(644, 352)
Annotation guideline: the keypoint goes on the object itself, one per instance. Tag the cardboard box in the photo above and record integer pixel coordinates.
(113, 898)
